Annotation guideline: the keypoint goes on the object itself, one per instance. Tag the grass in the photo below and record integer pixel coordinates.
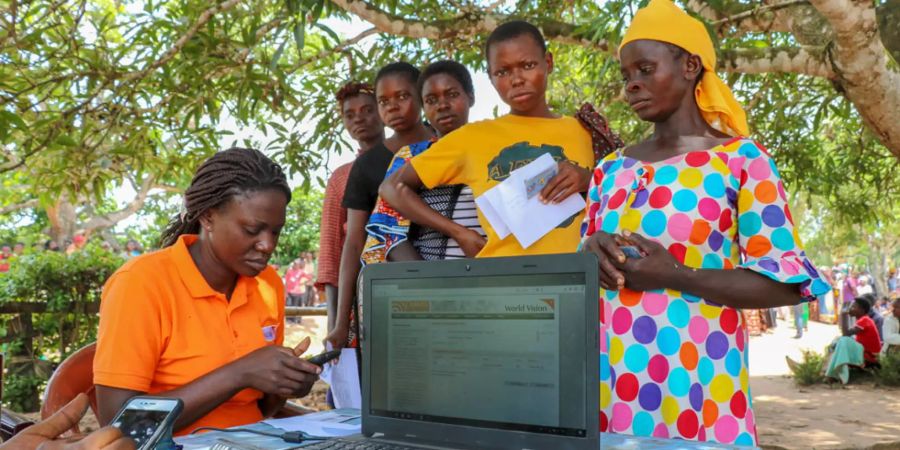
(889, 373)
(809, 370)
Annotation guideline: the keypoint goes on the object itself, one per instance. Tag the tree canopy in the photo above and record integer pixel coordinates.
(95, 94)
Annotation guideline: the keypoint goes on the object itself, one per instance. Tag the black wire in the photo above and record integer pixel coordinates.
(235, 430)
(294, 437)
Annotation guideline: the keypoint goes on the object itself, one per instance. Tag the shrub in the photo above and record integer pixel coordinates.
(889, 372)
(809, 370)
(64, 283)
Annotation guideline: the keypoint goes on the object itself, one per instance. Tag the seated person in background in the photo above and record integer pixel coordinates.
(875, 315)
(892, 329)
(447, 93)
(482, 154)
(202, 319)
(861, 350)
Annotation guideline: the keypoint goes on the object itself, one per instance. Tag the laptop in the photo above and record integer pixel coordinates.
(494, 353)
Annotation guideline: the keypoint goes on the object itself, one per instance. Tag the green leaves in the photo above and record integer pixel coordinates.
(74, 108)
(8, 121)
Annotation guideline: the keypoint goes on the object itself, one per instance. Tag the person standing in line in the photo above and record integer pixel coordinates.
(482, 154)
(447, 95)
(400, 109)
(359, 115)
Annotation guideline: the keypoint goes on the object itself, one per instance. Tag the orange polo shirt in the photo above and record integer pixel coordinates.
(162, 326)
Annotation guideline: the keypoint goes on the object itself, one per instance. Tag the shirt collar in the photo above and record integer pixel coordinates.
(193, 279)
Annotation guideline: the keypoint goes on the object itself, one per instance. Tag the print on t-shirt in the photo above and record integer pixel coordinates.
(521, 154)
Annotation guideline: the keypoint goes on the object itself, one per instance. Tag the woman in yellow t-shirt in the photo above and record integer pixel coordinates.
(482, 154)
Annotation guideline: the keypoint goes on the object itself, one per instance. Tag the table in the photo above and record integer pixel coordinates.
(607, 442)
(626, 442)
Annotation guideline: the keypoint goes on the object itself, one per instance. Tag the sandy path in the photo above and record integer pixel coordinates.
(820, 416)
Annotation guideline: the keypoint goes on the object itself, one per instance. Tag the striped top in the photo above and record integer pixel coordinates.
(455, 202)
(387, 228)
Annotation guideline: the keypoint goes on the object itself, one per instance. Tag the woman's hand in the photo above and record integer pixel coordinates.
(338, 335)
(569, 179)
(45, 435)
(605, 246)
(654, 270)
(469, 241)
(279, 370)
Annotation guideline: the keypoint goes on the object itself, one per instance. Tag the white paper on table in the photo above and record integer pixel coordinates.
(343, 377)
(325, 423)
(527, 218)
(493, 217)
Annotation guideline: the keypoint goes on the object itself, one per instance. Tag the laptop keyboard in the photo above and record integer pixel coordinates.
(340, 444)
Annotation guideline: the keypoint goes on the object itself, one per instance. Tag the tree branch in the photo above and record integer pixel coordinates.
(111, 219)
(205, 16)
(168, 188)
(801, 60)
(763, 19)
(336, 49)
(859, 59)
(476, 23)
(20, 206)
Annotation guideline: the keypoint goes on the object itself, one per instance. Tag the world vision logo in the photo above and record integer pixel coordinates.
(550, 302)
(521, 154)
(410, 306)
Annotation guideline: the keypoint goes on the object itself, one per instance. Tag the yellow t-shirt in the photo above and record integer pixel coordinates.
(482, 154)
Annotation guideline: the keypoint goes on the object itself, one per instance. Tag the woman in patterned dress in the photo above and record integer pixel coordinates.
(707, 212)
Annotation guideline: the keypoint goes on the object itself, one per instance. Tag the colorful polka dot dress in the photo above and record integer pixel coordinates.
(674, 365)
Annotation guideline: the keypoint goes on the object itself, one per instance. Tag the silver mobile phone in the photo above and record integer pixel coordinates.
(147, 419)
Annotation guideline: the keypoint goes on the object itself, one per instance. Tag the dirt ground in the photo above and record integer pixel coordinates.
(856, 416)
(819, 416)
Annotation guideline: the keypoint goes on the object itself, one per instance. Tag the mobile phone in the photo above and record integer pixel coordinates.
(631, 251)
(324, 357)
(147, 419)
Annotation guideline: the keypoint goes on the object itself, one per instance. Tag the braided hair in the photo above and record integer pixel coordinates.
(228, 173)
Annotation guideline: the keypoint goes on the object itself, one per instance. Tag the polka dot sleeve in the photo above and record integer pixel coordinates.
(768, 240)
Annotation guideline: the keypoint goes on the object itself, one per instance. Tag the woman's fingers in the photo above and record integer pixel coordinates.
(62, 420)
(553, 188)
(646, 245)
(103, 438)
(604, 246)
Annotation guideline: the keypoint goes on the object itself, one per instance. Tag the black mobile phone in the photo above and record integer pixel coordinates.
(631, 251)
(324, 357)
(147, 419)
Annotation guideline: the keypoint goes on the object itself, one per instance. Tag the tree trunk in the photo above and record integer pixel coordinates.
(878, 265)
(63, 220)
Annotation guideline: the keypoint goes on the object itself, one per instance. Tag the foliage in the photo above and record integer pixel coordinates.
(889, 372)
(301, 230)
(809, 370)
(64, 283)
(98, 93)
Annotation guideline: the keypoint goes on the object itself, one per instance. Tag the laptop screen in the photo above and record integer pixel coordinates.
(502, 352)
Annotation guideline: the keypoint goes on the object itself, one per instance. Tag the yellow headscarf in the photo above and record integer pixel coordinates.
(662, 21)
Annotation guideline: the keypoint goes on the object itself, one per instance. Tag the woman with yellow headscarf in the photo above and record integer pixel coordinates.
(690, 226)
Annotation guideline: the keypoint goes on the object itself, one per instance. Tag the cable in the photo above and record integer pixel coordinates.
(293, 437)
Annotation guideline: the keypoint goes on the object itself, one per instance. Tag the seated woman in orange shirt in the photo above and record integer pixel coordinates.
(203, 318)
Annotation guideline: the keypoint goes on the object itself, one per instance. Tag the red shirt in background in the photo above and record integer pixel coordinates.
(333, 229)
(868, 338)
(293, 281)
